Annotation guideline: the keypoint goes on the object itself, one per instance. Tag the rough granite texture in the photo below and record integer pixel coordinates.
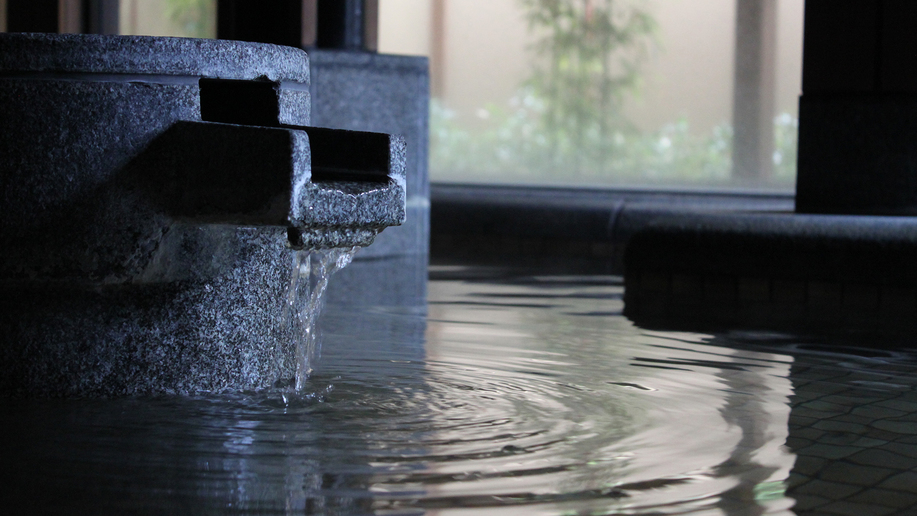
(206, 315)
(143, 55)
(147, 250)
(390, 94)
(777, 271)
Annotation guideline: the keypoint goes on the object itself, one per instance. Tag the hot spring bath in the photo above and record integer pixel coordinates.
(506, 394)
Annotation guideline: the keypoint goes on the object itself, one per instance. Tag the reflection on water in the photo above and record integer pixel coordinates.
(504, 395)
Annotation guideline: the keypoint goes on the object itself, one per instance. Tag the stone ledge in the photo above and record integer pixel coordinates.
(767, 270)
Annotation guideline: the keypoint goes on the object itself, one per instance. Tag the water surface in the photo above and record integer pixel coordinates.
(507, 393)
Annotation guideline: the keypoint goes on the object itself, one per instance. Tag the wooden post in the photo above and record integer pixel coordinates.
(438, 49)
(70, 16)
(754, 90)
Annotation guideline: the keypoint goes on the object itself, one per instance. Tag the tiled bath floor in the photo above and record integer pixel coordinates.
(853, 428)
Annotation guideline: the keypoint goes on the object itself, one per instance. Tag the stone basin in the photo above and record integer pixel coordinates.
(157, 193)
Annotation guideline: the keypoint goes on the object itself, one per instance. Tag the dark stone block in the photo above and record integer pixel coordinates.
(795, 272)
(841, 46)
(898, 40)
(857, 154)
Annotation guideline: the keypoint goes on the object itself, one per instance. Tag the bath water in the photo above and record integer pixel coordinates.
(507, 393)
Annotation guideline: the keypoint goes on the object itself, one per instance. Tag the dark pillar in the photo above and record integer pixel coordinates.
(31, 16)
(100, 17)
(754, 89)
(65, 16)
(278, 21)
(858, 110)
(337, 24)
(348, 24)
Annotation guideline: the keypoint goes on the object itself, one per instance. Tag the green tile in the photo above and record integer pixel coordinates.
(822, 375)
(885, 435)
(876, 412)
(808, 466)
(852, 418)
(906, 482)
(801, 421)
(845, 508)
(795, 480)
(829, 490)
(851, 400)
(816, 414)
(845, 439)
(867, 442)
(841, 426)
(898, 427)
(899, 404)
(903, 449)
(828, 451)
(848, 473)
(808, 502)
(823, 406)
(882, 458)
(829, 388)
(796, 443)
(886, 497)
(807, 433)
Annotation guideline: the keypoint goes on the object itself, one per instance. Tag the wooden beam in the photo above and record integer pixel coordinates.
(70, 16)
(438, 49)
(755, 89)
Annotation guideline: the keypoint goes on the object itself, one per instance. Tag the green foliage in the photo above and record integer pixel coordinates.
(566, 123)
(514, 149)
(193, 17)
(786, 136)
(588, 55)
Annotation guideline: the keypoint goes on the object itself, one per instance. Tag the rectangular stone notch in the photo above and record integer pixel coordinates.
(240, 102)
(339, 155)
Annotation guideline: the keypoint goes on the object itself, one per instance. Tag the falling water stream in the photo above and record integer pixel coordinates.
(305, 298)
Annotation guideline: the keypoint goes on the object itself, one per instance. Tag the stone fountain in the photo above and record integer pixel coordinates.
(158, 195)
